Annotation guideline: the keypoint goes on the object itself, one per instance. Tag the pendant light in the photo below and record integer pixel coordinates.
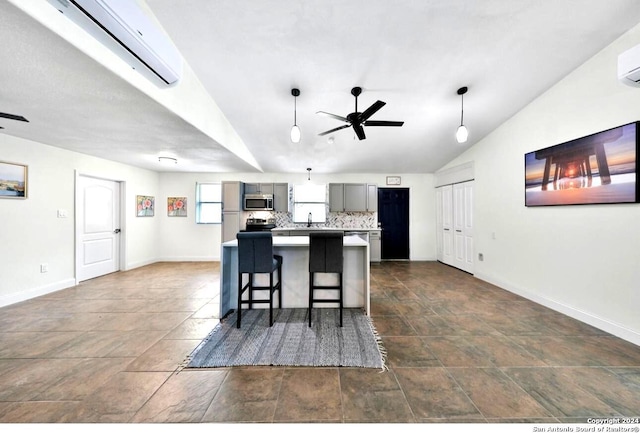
(308, 174)
(295, 130)
(462, 134)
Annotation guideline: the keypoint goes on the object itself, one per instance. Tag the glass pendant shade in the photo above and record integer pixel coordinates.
(295, 134)
(462, 134)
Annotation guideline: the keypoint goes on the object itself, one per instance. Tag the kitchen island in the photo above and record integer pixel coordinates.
(295, 274)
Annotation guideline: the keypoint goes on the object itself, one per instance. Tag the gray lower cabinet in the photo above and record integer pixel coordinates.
(375, 246)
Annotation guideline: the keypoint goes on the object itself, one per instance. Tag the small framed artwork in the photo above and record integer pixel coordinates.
(13, 180)
(393, 180)
(177, 206)
(145, 205)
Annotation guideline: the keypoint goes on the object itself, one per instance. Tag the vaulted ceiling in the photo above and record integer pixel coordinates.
(248, 55)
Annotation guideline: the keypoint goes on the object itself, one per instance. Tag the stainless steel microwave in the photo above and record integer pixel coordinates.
(258, 202)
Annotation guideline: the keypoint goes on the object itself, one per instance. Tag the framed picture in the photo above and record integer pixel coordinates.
(393, 180)
(13, 180)
(596, 169)
(145, 205)
(177, 206)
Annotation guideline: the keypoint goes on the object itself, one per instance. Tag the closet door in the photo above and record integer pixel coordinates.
(447, 225)
(463, 226)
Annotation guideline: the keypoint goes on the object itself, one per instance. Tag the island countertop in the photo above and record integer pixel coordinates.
(295, 274)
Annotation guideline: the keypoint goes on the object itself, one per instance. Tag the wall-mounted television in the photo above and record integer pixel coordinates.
(596, 169)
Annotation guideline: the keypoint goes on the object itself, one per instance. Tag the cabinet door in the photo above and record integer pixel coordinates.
(251, 188)
(355, 197)
(258, 188)
(230, 225)
(281, 197)
(266, 188)
(372, 198)
(336, 197)
(231, 196)
(375, 246)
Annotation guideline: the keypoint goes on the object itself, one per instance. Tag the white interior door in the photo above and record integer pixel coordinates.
(447, 225)
(98, 227)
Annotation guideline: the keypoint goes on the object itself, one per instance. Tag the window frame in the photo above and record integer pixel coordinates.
(200, 202)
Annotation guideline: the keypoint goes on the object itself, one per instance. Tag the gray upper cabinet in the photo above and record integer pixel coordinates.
(258, 188)
(281, 197)
(336, 197)
(355, 197)
(372, 198)
(231, 196)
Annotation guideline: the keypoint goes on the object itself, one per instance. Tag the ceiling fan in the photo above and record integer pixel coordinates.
(357, 120)
(12, 117)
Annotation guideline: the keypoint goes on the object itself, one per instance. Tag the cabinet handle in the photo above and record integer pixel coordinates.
(446, 230)
(459, 231)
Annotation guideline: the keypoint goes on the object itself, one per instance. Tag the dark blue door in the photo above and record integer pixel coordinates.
(393, 214)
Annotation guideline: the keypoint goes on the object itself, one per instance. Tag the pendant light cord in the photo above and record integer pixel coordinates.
(462, 111)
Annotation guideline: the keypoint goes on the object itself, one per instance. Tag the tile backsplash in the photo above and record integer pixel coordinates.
(334, 219)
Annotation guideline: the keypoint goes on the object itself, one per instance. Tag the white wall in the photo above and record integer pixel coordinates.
(32, 234)
(581, 260)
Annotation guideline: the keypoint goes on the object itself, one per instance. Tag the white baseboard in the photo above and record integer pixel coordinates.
(588, 318)
(190, 259)
(14, 298)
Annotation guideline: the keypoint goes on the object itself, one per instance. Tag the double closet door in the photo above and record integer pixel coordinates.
(454, 220)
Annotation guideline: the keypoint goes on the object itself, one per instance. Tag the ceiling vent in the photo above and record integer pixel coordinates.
(629, 67)
(125, 29)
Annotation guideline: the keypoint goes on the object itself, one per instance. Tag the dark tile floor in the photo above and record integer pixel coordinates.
(459, 351)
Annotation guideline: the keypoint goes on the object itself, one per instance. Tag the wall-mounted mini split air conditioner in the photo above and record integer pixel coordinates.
(629, 67)
(124, 28)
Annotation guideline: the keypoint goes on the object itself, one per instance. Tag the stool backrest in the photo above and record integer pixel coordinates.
(255, 252)
(326, 251)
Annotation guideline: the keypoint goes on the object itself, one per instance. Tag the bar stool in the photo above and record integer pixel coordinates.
(255, 256)
(325, 256)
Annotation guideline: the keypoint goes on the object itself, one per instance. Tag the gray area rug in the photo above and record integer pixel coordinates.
(290, 341)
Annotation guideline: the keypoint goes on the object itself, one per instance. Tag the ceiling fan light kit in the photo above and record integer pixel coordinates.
(167, 160)
(296, 135)
(357, 120)
(462, 134)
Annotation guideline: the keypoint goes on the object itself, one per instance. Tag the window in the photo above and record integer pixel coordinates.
(208, 203)
(309, 199)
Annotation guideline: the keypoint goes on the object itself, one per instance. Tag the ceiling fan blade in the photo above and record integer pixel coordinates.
(371, 110)
(13, 117)
(359, 131)
(382, 123)
(335, 116)
(334, 130)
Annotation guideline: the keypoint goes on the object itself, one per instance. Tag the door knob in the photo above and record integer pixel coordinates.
(116, 231)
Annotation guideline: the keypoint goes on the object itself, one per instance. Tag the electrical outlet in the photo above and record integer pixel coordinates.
(44, 268)
(62, 213)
